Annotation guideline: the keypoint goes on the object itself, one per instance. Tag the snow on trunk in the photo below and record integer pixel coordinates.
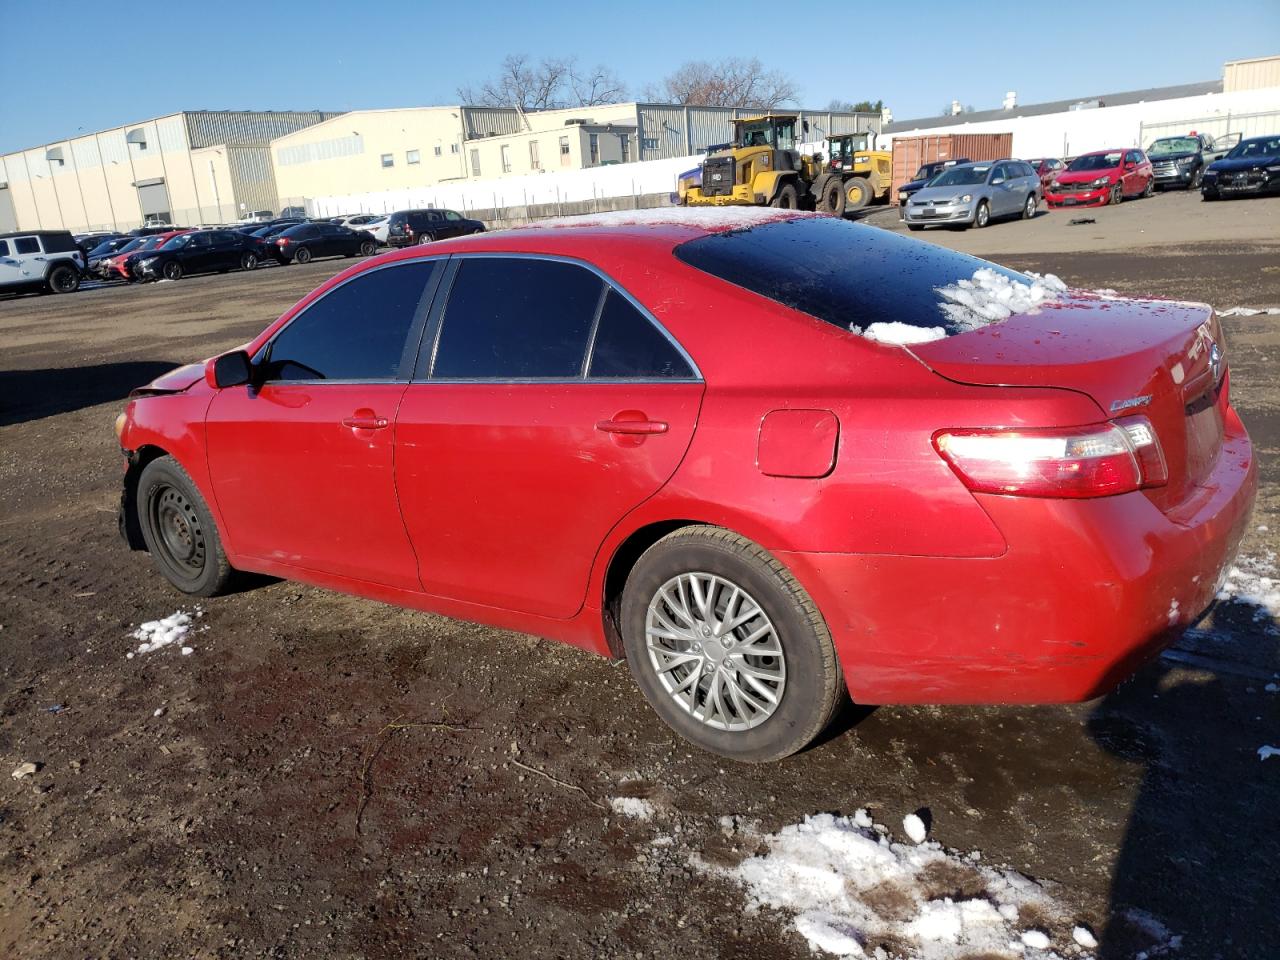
(991, 296)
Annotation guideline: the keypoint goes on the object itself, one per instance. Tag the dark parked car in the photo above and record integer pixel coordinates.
(203, 251)
(89, 242)
(305, 241)
(407, 227)
(152, 230)
(104, 250)
(1252, 166)
(1182, 161)
(926, 173)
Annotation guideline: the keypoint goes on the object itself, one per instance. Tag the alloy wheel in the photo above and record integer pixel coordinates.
(715, 651)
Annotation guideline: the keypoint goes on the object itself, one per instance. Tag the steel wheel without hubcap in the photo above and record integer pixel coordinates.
(715, 651)
(175, 520)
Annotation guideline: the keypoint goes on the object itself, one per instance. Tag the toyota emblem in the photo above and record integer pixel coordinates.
(1215, 362)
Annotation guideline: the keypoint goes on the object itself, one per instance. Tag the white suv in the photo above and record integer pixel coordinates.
(40, 260)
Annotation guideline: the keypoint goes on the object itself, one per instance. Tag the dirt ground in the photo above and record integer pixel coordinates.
(330, 777)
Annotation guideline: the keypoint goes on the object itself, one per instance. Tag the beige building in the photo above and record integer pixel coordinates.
(368, 152)
(186, 168)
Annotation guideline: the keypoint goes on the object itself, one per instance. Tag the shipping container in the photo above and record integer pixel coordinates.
(911, 153)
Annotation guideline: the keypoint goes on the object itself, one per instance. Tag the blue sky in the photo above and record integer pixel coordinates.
(128, 62)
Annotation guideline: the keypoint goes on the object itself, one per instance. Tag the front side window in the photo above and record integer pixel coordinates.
(26, 245)
(356, 331)
(628, 345)
(516, 318)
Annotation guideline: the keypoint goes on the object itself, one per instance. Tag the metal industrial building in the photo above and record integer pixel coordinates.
(206, 166)
(379, 151)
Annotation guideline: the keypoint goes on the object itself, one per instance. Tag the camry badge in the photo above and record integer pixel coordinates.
(1118, 405)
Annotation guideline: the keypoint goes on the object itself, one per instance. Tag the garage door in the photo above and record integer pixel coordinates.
(153, 198)
(8, 219)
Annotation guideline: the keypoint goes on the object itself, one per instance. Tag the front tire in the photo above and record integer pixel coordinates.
(249, 261)
(786, 197)
(832, 198)
(982, 216)
(727, 647)
(179, 530)
(368, 248)
(1116, 197)
(172, 270)
(1150, 188)
(1029, 208)
(63, 279)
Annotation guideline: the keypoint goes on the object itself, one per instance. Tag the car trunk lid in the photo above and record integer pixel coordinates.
(1164, 360)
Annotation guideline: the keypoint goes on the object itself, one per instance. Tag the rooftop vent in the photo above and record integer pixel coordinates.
(1011, 99)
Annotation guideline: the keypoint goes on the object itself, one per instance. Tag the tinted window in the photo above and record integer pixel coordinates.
(847, 274)
(451, 215)
(356, 331)
(629, 345)
(59, 243)
(4, 248)
(26, 245)
(515, 318)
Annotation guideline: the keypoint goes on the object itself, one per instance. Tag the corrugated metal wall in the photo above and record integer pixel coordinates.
(1251, 74)
(490, 121)
(210, 128)
(675, 131)
(910, 153)
(253, 182)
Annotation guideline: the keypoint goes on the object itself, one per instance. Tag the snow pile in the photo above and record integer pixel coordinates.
(174, 628)
(1255, 581)
(1266, 752)
(634, 807)
(991, 296)
(900, 333)
(853, 892)
(1249, 311)
(713, 219)
(915, 828)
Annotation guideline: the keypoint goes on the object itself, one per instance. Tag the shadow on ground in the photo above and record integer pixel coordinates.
(34, 394)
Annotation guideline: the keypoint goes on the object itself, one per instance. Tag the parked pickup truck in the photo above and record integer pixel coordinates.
(1182, 161)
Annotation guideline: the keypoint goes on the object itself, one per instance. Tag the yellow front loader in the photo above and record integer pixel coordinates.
(762, 167)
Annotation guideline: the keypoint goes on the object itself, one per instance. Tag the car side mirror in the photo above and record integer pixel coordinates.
(231, 370)
(1130, 166)
(997, 181)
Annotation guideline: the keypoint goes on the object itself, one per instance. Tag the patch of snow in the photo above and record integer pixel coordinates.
(991, 296)
(862, 818)
(915, 828)
(188, 651)
(155, 634)
(1249, 311)
(634, 807)
(1173, 612)
(1084, 936)
(159, 712)
(1265, 752)
(900, 334)
(1035, 939)
(1256, 582)
(711, 219)
(1262, 528)
(1272, 688)
(850, 888)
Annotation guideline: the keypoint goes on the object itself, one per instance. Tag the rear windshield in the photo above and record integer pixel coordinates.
(845, 273)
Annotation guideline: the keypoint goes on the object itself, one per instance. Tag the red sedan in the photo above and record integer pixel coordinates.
(119, 266)
(1102, 177)
(768, 457)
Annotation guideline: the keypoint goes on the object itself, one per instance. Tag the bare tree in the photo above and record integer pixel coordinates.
(550, 83)
(732, 82)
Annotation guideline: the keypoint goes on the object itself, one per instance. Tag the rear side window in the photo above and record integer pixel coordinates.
(627, 344)
(517, 318)
(845, 273)
(4, 248)
(26, 245)
(357, 331)
(59, 243)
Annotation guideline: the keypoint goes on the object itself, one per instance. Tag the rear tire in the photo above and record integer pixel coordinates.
(179, 530)
(756, 692)
(857, 193)
(302, 255)
(63, 279)
(786, 198)
(424, 238)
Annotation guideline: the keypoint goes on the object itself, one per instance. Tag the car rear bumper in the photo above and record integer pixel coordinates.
(1090, 198)
(1085, 593)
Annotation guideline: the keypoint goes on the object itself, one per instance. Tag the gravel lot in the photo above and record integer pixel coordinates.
(330, 777)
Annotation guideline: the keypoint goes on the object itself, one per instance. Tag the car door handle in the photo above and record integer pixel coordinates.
(360, 421)
(632, 427)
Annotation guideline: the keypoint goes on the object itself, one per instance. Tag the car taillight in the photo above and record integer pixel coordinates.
(283, 241)
(1097, 461)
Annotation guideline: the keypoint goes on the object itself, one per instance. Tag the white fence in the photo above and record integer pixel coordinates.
(553, 187)
(1246, 124)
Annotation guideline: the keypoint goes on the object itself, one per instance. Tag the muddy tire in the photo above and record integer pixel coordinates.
(179, 530)
(727, 647)
(786, 197)
(857, 193)
(831, 198)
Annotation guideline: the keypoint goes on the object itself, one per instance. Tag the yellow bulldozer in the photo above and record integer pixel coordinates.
(762, 167)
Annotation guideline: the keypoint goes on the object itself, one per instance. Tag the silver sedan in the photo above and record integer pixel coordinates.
(974, 194)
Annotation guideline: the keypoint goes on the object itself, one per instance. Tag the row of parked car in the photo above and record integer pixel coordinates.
(964, 193)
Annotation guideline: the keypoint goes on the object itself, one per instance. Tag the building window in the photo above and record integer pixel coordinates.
(595, 148)
(453, 148)
(506, 158)
(475, 163)
(388, 160)
(564, 152)
(437, 149)
(649, 143)
(624, 145)
(412, 156)
(534, 162)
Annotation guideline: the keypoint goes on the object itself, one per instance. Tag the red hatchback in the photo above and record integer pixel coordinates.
(768, 457)
(1102, 177)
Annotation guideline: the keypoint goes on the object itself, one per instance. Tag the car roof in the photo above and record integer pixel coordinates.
(34, 233)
